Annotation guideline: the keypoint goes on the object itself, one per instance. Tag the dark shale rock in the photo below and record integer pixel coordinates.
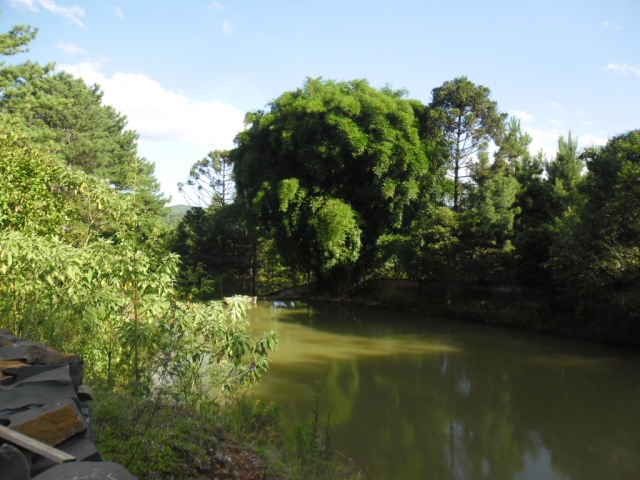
(76, 367)
(13, 464)
(26, 351)
(85, 393)
(30, 370)
(86, 471)
(43, 397)
(48, 355)
(80, 446)
(51, 424)
(9, 364)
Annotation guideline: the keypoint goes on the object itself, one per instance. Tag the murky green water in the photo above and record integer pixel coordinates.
(418, 398)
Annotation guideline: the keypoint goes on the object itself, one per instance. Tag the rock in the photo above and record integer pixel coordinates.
(76, 367)
(13, 464)
(8, 380)
(86, 471)
(87, 411)
(27, 352)
(51, 424)
(11, 364)
(47, 356)
(36, 391)
(85, 393)
(80, 446)
(22, 373)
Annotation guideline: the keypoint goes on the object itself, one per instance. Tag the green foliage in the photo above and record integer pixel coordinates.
(468, 120)
(565, 174)
(210, 181)
(64, 116)
(11, 43)
(218, 252)
(328, 148)
(596, 257)
(100, 291)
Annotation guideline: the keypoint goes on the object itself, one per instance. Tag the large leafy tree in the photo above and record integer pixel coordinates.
(468, 120)
(329, 168)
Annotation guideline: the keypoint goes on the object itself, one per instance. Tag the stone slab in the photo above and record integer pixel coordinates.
(80, 446)
(76, 367)
(86, 471)
(48, 356)
(13, 464)
(25, 351)
(85, 393)
(51, 424)
(11, 364)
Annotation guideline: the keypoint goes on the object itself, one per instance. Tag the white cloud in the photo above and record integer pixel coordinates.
(175, 131)
(581, 112)
(72, 13)
(555, 122)
(522, 115)
(162, 115)
(545, 140)
(557, 107)
(227, 27)
(590, 140)
(621, 68)
(611, 26)
(70, 48)
(217, 6)
(585, 123)
(29, 4)
(118, 12)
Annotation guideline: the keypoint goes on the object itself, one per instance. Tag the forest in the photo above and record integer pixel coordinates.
(340, 183)
(336, 183)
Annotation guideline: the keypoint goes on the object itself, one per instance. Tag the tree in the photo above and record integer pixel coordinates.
(218, 251)
(17, 41)
(595, 256)
(329, 168)
(565, 174)
(66, 117)
(468, 120)
(211, 181)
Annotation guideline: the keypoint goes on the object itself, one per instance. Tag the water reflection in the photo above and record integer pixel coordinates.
(418, 399)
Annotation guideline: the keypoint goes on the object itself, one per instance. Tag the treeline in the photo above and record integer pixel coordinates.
(338, 183)
(84, 262)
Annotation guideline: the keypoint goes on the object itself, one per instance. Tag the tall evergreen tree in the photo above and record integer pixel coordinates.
(66, 117)
(565, 174)
(210, 181)
(468, 120)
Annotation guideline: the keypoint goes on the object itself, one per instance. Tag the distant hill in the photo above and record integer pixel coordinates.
(176, 214)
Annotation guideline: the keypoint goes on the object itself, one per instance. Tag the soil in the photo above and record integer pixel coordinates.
(235, 462)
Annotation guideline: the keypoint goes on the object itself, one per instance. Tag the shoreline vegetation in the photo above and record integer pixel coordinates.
(503, 305)
(336, 183)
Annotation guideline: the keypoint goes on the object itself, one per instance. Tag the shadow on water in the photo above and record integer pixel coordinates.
(421, 398)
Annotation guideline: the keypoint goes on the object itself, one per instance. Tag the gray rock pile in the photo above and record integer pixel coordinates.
(46, 418)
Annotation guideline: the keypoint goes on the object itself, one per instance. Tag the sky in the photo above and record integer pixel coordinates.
(185, 73)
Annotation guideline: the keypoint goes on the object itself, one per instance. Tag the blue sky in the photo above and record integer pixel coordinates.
(186, 72)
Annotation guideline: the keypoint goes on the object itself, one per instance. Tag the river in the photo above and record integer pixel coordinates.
(412, 397)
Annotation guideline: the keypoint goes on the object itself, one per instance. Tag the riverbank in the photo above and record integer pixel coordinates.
(241, 440)
(502, 305)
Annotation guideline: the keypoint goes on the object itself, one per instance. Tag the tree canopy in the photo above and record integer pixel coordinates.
(468, 120)
(61, 114)
(329, 168)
